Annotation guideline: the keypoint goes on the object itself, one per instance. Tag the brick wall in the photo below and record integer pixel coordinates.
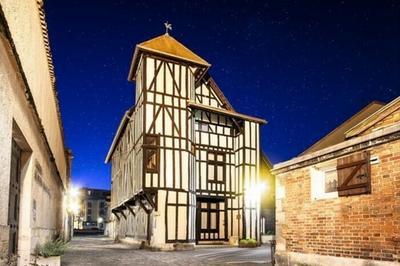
(363, 226)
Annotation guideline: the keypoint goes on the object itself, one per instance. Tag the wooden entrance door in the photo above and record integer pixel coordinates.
(210, 219)
(14, 197)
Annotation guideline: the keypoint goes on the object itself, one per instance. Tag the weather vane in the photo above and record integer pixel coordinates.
(168, 26)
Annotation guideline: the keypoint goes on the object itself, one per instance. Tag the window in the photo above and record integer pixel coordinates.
(151, 150)
(330, 180)
(216, 167)
(324, 181)
(201, 126)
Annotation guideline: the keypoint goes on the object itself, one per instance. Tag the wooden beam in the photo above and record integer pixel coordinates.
(116, 215)
(130, 210)
(143, 206)
(123, 214)
(150, 200)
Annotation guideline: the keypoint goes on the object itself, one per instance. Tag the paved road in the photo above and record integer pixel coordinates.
(97, 250)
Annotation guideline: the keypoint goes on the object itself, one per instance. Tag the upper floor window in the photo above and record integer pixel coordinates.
(201, 126)
(151, 149)
(216, 167)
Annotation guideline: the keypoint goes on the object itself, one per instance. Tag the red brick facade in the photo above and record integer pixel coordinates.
(362, 226)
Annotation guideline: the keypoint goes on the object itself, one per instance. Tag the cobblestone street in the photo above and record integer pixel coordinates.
(97, 250)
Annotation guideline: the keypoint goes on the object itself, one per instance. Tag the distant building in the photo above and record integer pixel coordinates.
(34, 162)
(94, 209)
(185, 164)
(338, 203)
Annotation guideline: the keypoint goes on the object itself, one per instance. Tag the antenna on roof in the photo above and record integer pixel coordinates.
(168, 26)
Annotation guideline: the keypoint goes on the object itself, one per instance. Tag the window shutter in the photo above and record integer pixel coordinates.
(354, 174)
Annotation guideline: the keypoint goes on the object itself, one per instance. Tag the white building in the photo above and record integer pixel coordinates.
(185, 164)
(34, 163)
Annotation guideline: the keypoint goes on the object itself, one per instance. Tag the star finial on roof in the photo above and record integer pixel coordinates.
(168, 26)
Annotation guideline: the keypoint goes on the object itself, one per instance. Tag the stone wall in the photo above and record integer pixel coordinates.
(41, 210)
(362, 227)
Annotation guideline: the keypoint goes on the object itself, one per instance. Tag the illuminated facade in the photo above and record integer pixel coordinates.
(185, 164)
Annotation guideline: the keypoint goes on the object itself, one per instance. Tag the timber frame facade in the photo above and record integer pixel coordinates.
(182, 158)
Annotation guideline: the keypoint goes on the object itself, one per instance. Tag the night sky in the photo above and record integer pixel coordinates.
(305, 66)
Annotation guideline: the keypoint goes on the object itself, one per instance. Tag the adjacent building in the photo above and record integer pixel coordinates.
(34, 162)
(338, 203)
(185, 164)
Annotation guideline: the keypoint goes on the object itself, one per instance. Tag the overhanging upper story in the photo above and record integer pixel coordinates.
(207, 95)
(180, 122)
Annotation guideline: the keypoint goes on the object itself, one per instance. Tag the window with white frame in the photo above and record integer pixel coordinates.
(324, 181)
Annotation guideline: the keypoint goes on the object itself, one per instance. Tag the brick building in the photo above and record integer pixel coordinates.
(338, 203)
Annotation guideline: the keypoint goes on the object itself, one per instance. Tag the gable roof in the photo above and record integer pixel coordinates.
(165, 45)
(374, 118)
(339, 134)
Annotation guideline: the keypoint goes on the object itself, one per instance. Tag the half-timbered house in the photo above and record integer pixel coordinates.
(183, 160)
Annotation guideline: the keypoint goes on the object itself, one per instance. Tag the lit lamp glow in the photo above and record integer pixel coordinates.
(253, 193)
(73, 200)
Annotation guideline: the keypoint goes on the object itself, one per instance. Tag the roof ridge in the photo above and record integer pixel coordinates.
(341, 124)
(353, 130)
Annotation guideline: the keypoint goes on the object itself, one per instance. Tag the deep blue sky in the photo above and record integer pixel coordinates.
(305, 66)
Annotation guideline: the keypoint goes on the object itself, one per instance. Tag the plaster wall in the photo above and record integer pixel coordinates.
(17, 121)
(24, 23)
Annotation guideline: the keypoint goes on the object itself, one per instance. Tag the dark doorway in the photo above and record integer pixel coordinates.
(14, 197)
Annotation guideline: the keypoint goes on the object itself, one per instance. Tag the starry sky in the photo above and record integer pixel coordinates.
(305, 66)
